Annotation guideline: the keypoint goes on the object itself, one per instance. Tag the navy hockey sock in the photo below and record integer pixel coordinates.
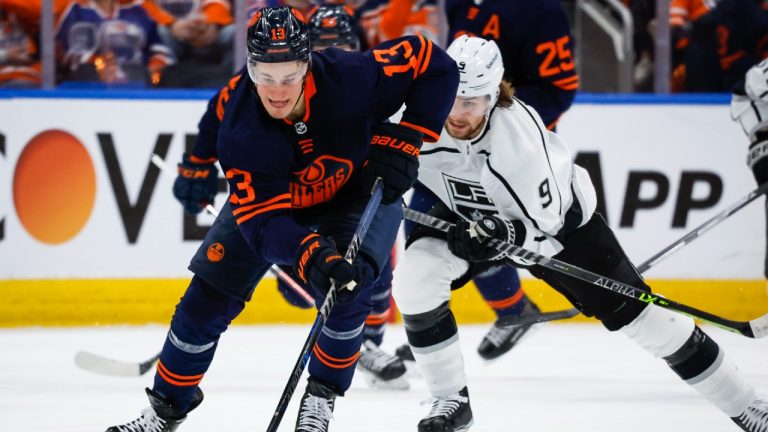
(500, 287)
(382, 293)
(201, 316)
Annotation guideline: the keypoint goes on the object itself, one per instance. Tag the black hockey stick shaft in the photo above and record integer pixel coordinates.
(756, 328)
(701, 229)
(325, 309)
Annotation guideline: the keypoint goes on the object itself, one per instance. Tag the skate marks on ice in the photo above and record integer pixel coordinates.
(574, 377)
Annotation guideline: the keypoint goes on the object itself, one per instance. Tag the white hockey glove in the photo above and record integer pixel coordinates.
(750, 109)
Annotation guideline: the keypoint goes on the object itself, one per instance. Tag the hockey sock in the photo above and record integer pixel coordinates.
(377, 320)
(338, 347)
(201, 316)
(500, 287)
(434, 340)
(693, 356)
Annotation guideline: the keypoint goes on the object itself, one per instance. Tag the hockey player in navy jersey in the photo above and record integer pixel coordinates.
(536, 45)
(537, 199)
(301, 138)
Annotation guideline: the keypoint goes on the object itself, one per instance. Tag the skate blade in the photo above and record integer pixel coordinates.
(399, 383)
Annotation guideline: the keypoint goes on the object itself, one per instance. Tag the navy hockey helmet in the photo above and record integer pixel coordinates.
(333, 25)
(277, 34)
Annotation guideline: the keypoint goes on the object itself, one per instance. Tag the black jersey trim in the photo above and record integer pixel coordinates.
(757, 112)
(440, 149)
(512, 192)
(485, 152)
(546, 153)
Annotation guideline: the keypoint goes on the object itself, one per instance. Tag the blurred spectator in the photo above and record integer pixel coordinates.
(201, 34)
(643, 13)
(382, 20)
(19, 63)
(111, 41)
(715, 43)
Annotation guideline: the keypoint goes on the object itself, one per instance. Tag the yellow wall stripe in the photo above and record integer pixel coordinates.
(141, 301)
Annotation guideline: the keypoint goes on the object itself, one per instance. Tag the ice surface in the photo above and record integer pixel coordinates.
(566, 377)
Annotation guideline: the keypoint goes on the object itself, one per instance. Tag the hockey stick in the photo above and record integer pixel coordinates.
(518, 320)
(756, 328)
(701, 229)
(106, 366)
(325, 309)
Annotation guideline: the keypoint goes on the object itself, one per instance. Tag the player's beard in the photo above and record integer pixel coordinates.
(465, 130)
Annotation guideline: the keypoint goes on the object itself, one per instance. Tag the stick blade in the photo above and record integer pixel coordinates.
(105, 366)
(539, 318)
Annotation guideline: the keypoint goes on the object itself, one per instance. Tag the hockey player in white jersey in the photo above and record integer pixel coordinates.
(749, 106)
(499, 173)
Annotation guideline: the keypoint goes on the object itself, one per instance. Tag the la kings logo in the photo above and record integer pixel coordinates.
(468, 198)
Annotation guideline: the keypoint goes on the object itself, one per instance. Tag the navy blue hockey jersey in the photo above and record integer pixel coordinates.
(536, 45)
(276, 168)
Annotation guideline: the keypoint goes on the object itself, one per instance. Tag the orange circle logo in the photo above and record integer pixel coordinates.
(54, 186)
(215, 252)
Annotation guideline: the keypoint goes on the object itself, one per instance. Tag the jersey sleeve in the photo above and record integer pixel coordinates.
(204, 150)
(547, 58)
(415, 71)
(260, 195)
(532, 179)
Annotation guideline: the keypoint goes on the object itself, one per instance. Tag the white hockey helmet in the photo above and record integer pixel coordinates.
(480, 67)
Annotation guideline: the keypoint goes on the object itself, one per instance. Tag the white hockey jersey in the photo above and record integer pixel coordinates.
(516, 169)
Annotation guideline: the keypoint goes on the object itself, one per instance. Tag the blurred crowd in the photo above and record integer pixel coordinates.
(190, 43)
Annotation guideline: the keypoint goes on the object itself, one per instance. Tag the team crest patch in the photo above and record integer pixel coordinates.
(215, 252)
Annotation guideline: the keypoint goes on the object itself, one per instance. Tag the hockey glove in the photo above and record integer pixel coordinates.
(757, 157)
(393, 156)
(470, 240)
(196, 185)
(318, 262)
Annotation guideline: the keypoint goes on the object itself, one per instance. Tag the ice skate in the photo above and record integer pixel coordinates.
(160, 416)
(381, 369)
(499, 339)
(448, 414)
(316, 409)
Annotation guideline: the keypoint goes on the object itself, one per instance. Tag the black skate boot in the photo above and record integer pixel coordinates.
(380, 369)
(448, 414)
(755, 418)
(160, 416)
(499, 340)
(316, 409)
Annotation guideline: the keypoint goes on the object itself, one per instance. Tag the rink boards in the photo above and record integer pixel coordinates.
(90, 232)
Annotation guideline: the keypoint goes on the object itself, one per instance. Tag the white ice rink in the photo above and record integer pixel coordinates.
(565, 378)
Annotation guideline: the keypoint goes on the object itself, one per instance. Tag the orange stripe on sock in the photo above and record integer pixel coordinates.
(168, 376)
(333, 362)
(377, 319)
(507, 302)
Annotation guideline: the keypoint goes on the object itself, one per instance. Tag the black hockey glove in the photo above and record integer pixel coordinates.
(393, 156)
(757, 157)
(317, 262)
(196, 185)
(469, 240)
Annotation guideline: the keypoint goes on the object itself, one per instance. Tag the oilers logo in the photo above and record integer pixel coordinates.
(319, 181)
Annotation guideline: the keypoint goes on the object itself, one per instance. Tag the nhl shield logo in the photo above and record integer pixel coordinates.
(489, 224)
(301, 128)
